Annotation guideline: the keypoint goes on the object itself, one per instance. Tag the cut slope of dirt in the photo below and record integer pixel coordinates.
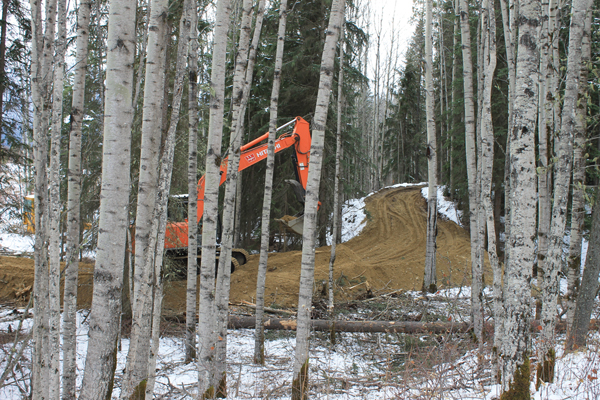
(388, 255)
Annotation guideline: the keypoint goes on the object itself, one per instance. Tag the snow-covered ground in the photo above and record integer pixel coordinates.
(358, 366)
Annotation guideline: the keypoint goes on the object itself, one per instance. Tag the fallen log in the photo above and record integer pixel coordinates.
(248, 322)
(237, 322)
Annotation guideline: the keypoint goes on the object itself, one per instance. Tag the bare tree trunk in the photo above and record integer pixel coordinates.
(487, 153)
(338, 155)
(476, 261)
(137, 358)
(73, 206)
(192, 261)
(224, 274)
(515, 352)
(157, 238)
(430, 280)
(206, 307)
(549, 287)
(108, 272)
(259, 333)
(579, 164)
(55, 206)
(300, 381)
(41, 72)
(589, 287)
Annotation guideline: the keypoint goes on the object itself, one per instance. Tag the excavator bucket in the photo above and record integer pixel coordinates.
(295, 224)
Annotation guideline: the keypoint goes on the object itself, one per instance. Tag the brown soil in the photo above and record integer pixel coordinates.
(388, 255)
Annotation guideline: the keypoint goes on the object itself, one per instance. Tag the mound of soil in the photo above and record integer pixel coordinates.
(388, 255)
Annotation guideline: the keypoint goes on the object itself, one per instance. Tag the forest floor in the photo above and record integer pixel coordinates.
(378, 276)
(387, 256)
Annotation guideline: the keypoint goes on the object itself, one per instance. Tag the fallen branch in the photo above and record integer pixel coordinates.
(267, 309)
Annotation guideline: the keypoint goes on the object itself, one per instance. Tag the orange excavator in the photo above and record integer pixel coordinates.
(176, 235)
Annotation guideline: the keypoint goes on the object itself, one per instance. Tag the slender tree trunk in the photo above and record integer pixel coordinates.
(157, 238)
(206, 307)
(430, 280)
(113, 223)
(562, 169)
(55, 205)
(300, 381)
(487, 154)
(589, 286)
(579, 164)
(73, 206)
(516, 351)
(192, 261)
(41, 71)
(224, 275)
(336, 184)
(137, 358)
(476, 261)
(3, 33)
(259, 333)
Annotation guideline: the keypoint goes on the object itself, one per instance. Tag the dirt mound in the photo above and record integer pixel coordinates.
(388, 255)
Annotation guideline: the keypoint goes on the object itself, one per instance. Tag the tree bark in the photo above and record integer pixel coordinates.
(192, 261)
(549, 287)
(55, 205)
(41, 71)
(73, 206)
(588, 291)
(430, 280)
(137, 358)
(113, 221)
(579, 163)
(515, 352)
(259, 333)
(300, 380)
(206, 306)
(335, 233)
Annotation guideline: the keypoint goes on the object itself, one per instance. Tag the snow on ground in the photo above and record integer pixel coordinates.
(358, 366)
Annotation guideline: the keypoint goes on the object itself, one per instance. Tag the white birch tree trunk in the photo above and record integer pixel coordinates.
(259, 332)
(523, 199)
(113, 222)
(191, 289)
(55, 206)
(487, 156)
(579, 164)
(157, 237)
(224, 274)
(476, 261)
(430, 280)
(549, 287)
(143, 276)
(206, 306)
(300, 379)
(336, 182)
(41, 72)
(73, 207)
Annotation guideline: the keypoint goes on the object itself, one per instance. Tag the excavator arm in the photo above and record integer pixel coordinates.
(252, 153)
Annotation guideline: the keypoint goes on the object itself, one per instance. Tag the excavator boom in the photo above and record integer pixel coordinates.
(252, 153)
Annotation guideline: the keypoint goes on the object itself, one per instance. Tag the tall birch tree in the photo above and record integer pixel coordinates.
(191, 289)
(143, 276)
(55, 205)
(562, 178)
(206, 306)
(476, 261)
(259, 333)
(114, 198)
(42, 52)
(523, 199)
(430, 280)
(300, 379)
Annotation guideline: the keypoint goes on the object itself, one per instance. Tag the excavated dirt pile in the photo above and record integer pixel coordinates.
(388, 255)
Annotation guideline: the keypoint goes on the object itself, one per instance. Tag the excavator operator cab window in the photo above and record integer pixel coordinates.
(177, 208)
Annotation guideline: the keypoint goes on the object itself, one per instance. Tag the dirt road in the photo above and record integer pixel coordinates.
(388, 255)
